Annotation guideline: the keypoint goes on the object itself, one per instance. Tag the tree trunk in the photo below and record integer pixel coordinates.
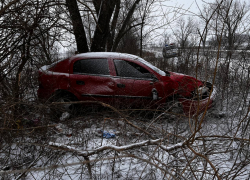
(105, 9)
(79, 32)
(111, 37)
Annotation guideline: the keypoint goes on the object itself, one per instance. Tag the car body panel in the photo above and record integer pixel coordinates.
(191, 107)
(184, 84)
(137, 90)
(50, 81)
(90, 87)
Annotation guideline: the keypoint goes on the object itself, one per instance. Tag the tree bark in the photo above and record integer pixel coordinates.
(79, 32)
(111, 37)
(104, 9)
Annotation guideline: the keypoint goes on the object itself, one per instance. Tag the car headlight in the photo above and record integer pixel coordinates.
(202, 92)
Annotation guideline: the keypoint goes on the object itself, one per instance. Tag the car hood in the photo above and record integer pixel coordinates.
(184, 85)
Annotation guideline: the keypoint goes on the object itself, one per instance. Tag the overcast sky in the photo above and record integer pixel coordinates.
(188, 4)
(191, 7)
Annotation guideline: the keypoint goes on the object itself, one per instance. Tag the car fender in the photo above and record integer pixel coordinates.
(50, 82)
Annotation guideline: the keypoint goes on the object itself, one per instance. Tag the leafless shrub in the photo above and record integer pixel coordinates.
(149, 144)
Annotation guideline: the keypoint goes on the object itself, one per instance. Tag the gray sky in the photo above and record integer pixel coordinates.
(191, 5)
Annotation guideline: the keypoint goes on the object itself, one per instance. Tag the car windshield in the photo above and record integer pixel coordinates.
(162, 73)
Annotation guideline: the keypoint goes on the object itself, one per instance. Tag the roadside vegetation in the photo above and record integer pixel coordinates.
(104, 142)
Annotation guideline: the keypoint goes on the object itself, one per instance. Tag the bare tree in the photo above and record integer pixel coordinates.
(230, 20)
(28, 31)
(184, 29)
(232, 15)
(144, 12)
(107, 33)
(203, 31)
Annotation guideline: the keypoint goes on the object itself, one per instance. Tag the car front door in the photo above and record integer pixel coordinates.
(135, 84)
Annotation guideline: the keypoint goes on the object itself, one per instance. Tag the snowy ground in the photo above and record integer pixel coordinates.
(60, 155)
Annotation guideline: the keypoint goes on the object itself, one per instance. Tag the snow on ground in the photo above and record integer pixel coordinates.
(75, 136)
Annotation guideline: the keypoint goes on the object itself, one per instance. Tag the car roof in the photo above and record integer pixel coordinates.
(107, 55)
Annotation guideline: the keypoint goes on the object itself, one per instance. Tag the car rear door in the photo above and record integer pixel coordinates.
(91, 80)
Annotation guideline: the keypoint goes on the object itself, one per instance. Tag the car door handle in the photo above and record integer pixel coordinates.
(80, 82)
(121, 85)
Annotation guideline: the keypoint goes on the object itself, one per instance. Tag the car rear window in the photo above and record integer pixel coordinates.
(91, 66)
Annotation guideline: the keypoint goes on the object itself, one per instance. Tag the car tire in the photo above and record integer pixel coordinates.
(62, 104)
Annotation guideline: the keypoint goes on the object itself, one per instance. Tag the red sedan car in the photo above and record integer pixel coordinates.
(122, 79)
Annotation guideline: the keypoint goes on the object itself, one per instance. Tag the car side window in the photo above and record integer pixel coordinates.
(91, 66)
(130, 69)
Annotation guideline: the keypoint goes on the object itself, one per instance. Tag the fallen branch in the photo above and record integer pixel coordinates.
(24, 129)
(117, 148)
